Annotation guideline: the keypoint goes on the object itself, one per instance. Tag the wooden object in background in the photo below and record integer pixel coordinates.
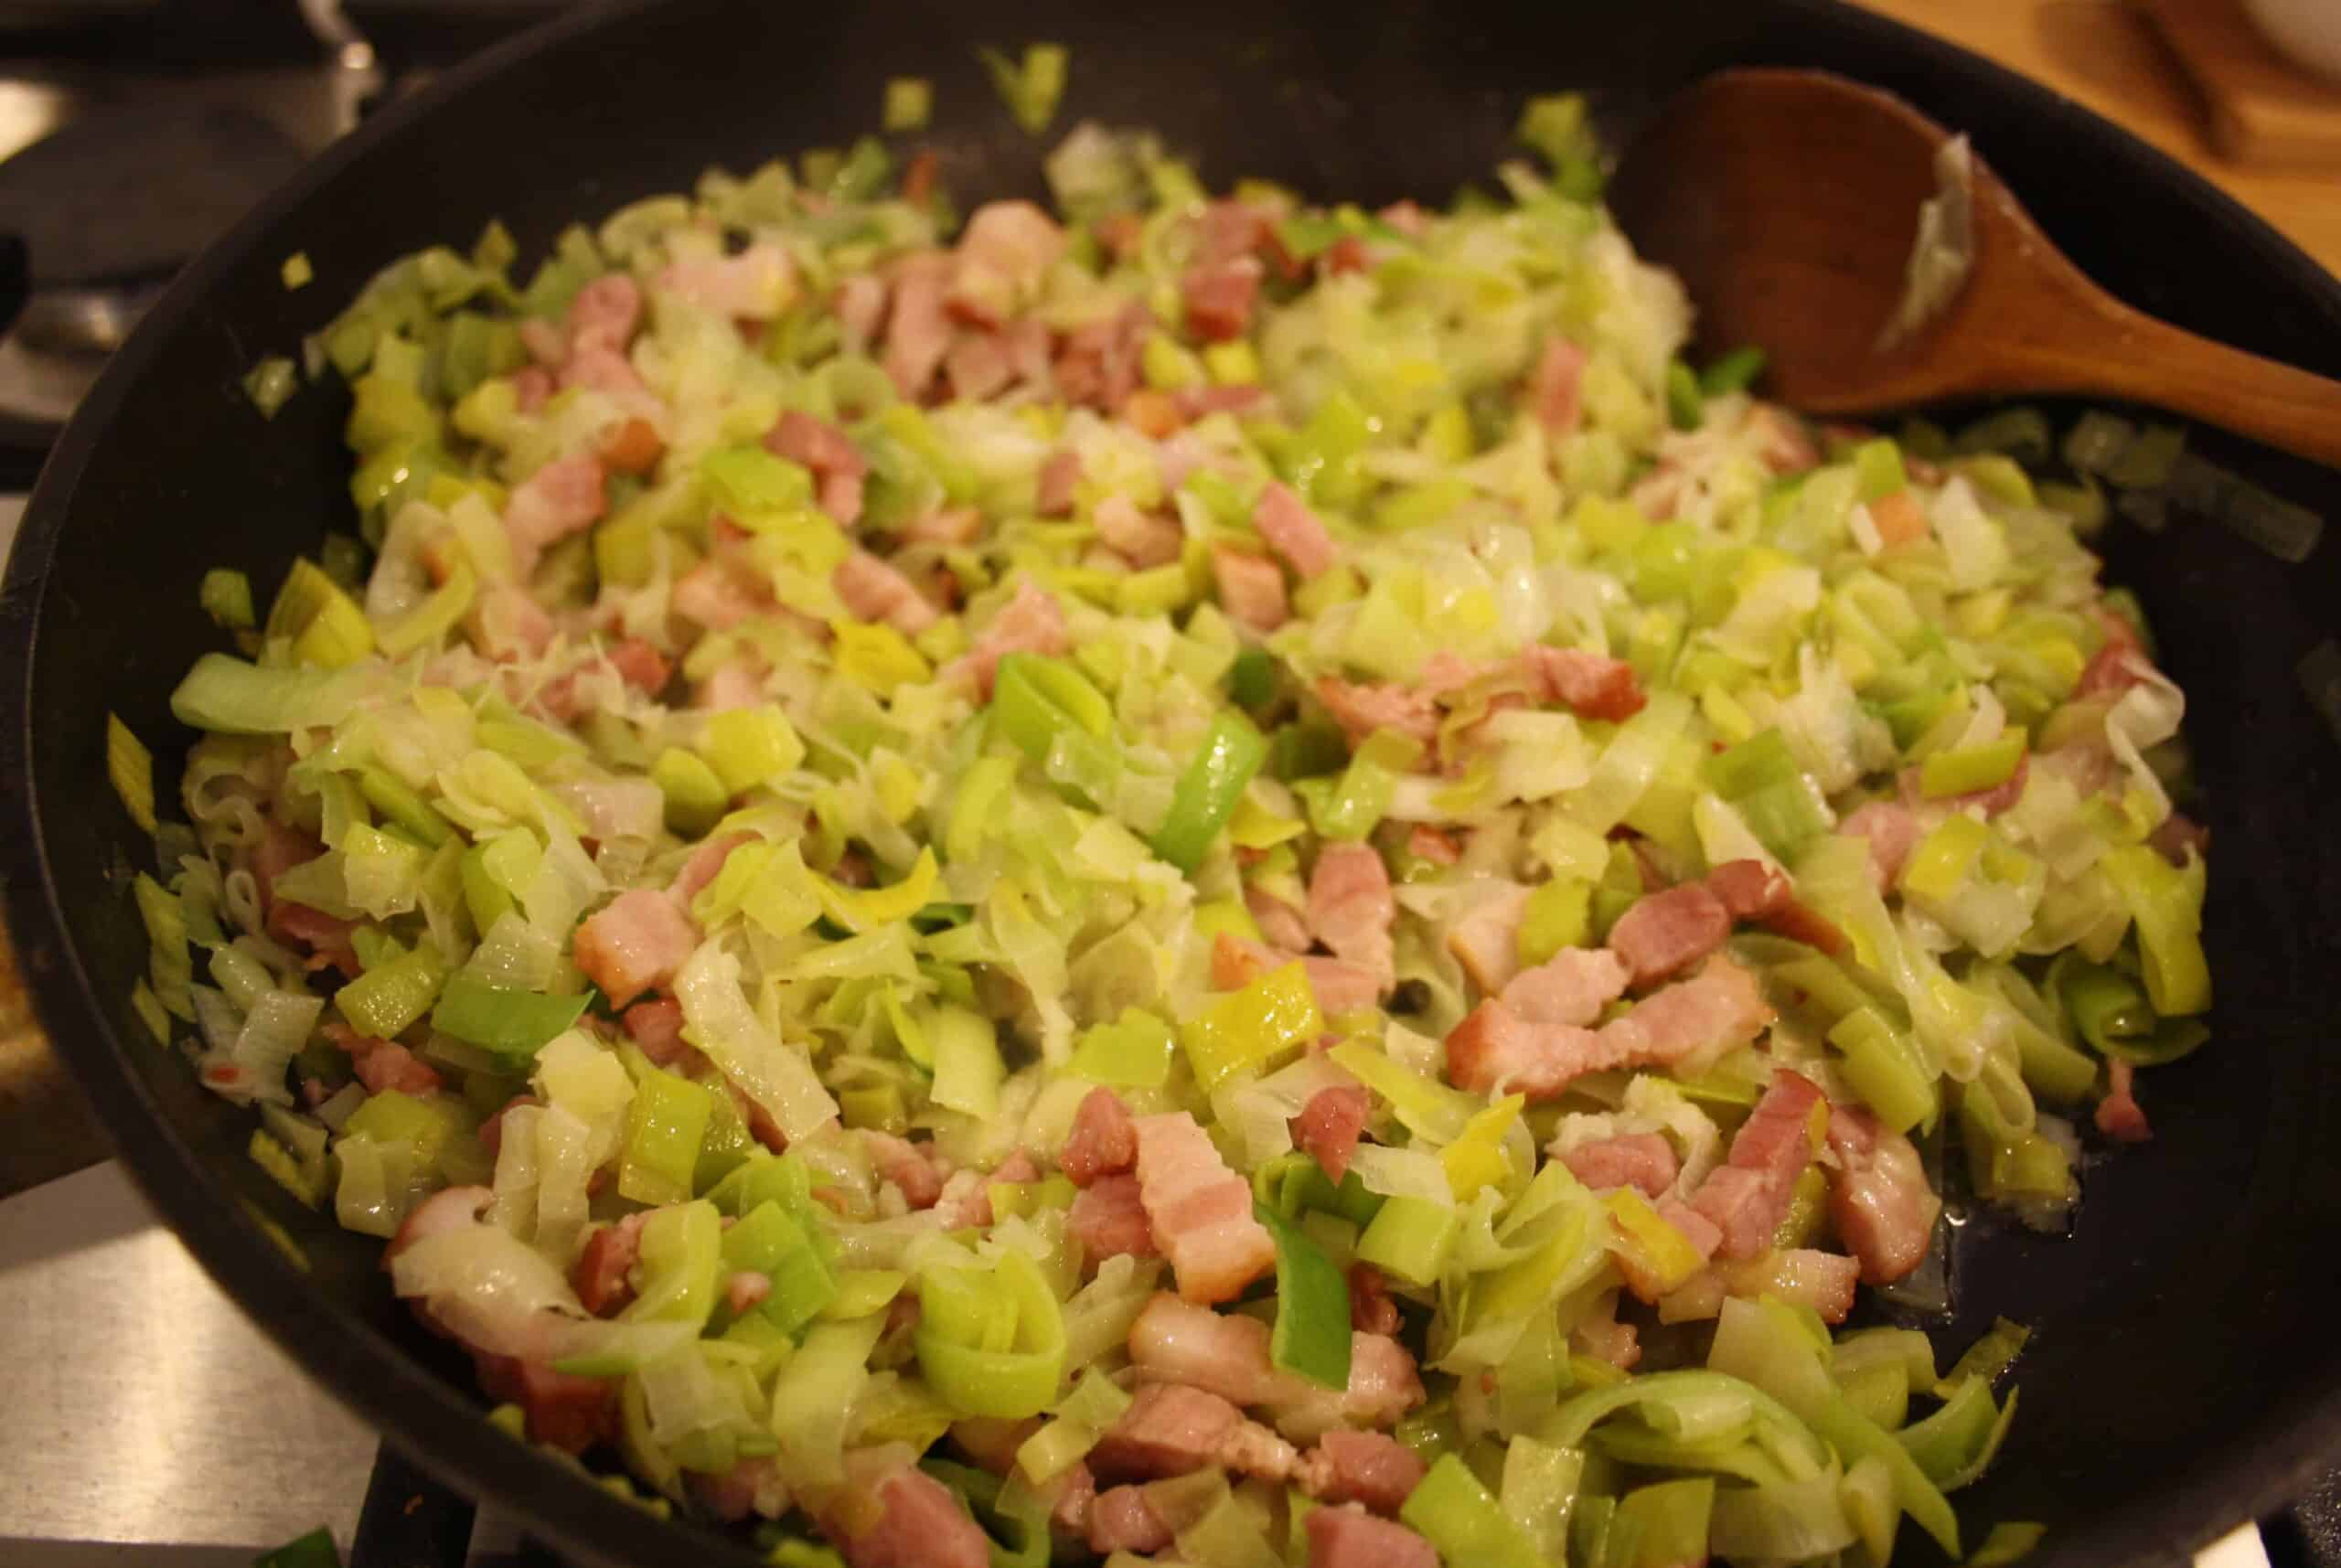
(2263, 108)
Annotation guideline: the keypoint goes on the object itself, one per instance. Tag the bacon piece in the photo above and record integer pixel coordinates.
(1060, 475)
(860, 304)
(1146, 539)
(1104, 1140)
(1800, 1276)
(1892, 832)
(1328, 1127)
(1174, 1341)
(1251, 588)
(1169, 1429)
(605, 314)
(1570, 987)
(901, 1517)
(1749, 1194)
(1371, 1311)
(1644, 1161)
(1716, 1008)
(918, 330)
(2119, 1115)
(1098, 365)
(564, 1411)
(1427, 843)
(1280, 923)
(875, 592)
(1589, 685)
(1108, 1219)
(1003, 254)
(907, 1165)
(1360, 709)
(1878, 1197)
(1121, 1520)
(977, 366)
(1898, 518)
(745, 1290)
(1664, 934)
(1029, 622)
(633, 446)
(390, 1065)
(1352, 1538)
(950, 526)
(703, 866)
(1350, 908)
(599, 1275)
(718, 596)
(1219, 298)
(1368, 1467)
(634, 944)
(836, 463)
(1293, 531)
(1553, 387)
(754, 285)
(1201, 1210)
(1486, 941)
(656, 1026)
(563, 497)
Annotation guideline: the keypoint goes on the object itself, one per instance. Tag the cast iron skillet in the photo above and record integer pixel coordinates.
(2185, 1376)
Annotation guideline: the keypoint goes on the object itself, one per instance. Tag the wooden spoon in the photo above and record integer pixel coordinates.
(1787, 201)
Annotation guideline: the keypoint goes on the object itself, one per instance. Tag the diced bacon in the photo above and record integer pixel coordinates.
(1371, 1311)
(448, 1210)
(1227, 1354)
(1407, 218)
(1145, 539)
(1219, 299)
(1486, 941)
(1104, 1140)
(950, 526)
(1350, 907)
(1800, 1276)
(1251, 588)
(1361, 710)
(1197, 402)
(1750, 889)
(966, 1199)
(718, 596)
(1695, 1227)
(1121, 1520)
(875, 592)
(547, 343)
(1352, 1538)
(918, 331)
(1553, 391)
(919, 177)
(1328, 1127)
(1154, 415)
(1644, 1161)
(386, 1064)
(2119, 1114)
(1341, 987)
(835, 462)
(632, 445)
(1664, 934)
(977, 366)
(1990, 802)
(1347, 254)
(1782, 443)
(1108, 1219)
(1368, 1467)
(703, 866)
(1293, 531)
(656, 1026)
(604, 370)
(1098, 365)
(751, 1487)
(739, 684)
(1591, 685)
(1201, 1210)
(279, 850)
(2117, 665)
(532, 388)
(2178, 836)
(841, 496)
(1898, 519)
(1570, 987)
(599, 1275)
(1719, 1008)
(907, 1165)
(564, 1411)
(895, 1515)
(757, 284)
(563, 497)
(1060, 475)
(859, 303)
(1427, 843)
(1749, 1194)
(1892, 831)
(745, 1290)
(1029, 622)
(1878, 1197)
(1118, 232)
(605, 314)
(1226, 229)
(634, 944)
(1003, 254)
(1280, 923)
(325, 936)
(1607, 1339)
(641, 666)
(506, 623)
(1169, 1429)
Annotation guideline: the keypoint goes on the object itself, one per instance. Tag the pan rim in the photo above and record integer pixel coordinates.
(438, 1424)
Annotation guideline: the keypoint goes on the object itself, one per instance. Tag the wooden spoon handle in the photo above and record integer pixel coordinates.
(2140, 360)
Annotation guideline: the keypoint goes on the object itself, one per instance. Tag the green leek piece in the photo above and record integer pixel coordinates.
(771, 1241)
(1252, 680)
(1411, 1238)
(681, 1254)
(1733, 372)
(1762, 781)
(1559, 914)
(1134, 1051)
(324, 623)
(991, 1341)
(748, 483)
(401, 805)
(2019, 432)
(2166, 903)
(131, 768)
(271, 383)
(1322, 462)
(1311, 1338)
(1971, 769)
(227, 597)
(696, 798)
(2110, 1012)
(1686, 405)
(1356, 805)
(394, 1120)
(1877, 469)
(1668, 1522)
(314, 1550)
(1244, 1031)
(384, 1002)
(909, 103)
(1455, 1513)
(666, 1123)
(1030, 87)
(750, 747)
(508, 1022)
(1208, 789)
(1884, 1067)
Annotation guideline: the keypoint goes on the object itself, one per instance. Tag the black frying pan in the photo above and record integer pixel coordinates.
(2187, 1374)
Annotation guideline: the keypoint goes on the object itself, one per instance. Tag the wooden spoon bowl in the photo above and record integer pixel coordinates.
(1787, 201)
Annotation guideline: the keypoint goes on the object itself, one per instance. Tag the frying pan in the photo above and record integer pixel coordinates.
(2186, 1373)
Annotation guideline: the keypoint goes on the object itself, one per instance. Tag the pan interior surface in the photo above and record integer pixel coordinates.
(2184, 1371)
